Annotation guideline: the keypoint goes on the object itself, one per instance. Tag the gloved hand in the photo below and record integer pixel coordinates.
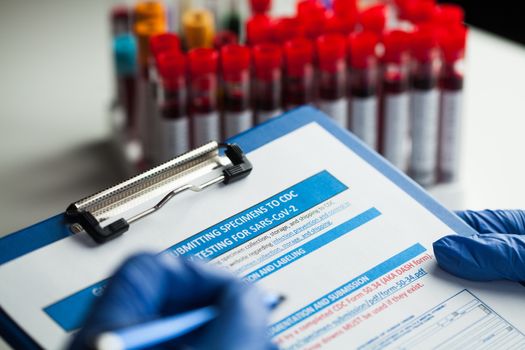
(147, 287)
(497, 252)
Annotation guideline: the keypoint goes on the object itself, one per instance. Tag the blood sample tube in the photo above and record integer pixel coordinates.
(203, 96)
(159, 44)
(232, 19)
(395, 99)
(298, 81)
(258, 29)
(149, 10)
(451, 85)
(145, 95)
(235, 62)
(424, 109)
(120, 20)
(267, 82)
(331, 77)
(125, 51)
(172, 103)
(199, 28)
(363, 75)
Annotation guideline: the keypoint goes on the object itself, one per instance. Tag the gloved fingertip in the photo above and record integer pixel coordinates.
(446, 254)
(484, 257)
(459, 256)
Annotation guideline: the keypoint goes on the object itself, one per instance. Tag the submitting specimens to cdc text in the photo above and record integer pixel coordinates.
(349, 249)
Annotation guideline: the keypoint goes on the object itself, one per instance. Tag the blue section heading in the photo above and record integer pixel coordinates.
(260, 218)
(346, 289)
(218, 239)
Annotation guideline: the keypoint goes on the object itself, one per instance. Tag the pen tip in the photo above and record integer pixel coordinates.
(274, 300)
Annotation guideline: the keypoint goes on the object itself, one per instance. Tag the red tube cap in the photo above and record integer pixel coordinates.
(298, 54)
(287, 28)
(335, 24)
(449, 14)
(260, 6)
(120, 12)
(164, 42)
(171, 67)
(331, 50)
(235, 59)
(258, 29)
(313, 17)
(373, 19)
(419, 11)
(397, 45)
(362, 49)
(423, 41)
(345, 8)
(267, 58)
(202, 61)
(452, 43)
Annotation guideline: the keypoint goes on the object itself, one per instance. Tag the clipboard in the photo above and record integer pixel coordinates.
(56, 228)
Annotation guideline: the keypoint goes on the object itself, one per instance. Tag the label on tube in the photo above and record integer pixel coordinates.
(396, 129)
(205, 128)
(143, 106)
(263, 116)
(336, 110)
(423, 160)
(451, 102)
(237, 122)
(363, 112)
(151, 145)
(174, 137)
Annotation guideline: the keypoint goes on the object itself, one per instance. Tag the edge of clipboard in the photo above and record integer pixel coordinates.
(301, 116)
(51, 230)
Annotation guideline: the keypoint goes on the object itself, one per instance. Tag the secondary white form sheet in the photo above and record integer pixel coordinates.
(349, 249)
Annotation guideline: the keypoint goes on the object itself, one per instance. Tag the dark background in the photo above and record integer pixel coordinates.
(499, 17)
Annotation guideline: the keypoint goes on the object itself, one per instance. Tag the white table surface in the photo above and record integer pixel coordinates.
(55, 87)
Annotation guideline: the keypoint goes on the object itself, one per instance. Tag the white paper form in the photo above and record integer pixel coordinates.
(349, 249)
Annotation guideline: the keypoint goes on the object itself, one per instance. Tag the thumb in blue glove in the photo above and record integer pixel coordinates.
(148, 287)
(497, 252)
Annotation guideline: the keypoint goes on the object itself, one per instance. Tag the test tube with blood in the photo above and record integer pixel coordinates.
(426, 64)
(395, 99)
(331, 73)
(235, 62)
(451, 86)
(267, 81)
(363, 86)
(172, 104)
(203, 96)
(299, 73)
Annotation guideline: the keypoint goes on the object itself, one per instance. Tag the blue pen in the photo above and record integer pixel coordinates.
(158, 331)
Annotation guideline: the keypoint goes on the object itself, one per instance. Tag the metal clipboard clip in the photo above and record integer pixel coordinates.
(171, 178)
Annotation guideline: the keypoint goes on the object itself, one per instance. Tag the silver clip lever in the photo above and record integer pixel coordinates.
(89, 213)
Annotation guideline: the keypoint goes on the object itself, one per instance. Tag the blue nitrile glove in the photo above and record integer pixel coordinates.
(497, 252)
(148, 287)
